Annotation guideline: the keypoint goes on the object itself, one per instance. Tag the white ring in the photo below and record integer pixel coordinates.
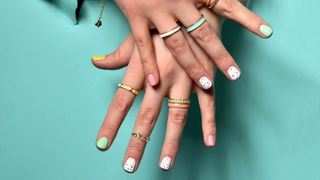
(169, 33)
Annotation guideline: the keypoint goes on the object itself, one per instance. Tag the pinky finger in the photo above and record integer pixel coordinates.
(207, 107)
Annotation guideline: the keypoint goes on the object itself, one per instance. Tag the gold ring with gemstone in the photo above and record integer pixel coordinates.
(141, 137)
(211, 3)
(128, 88)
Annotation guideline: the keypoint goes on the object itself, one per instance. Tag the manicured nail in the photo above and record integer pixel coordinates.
(234, 73)
(266, 30)
(151, 80)
(98, 58)
(210, 140)
(102, 143)
(129, 165)
(205, 82)
(165, 163)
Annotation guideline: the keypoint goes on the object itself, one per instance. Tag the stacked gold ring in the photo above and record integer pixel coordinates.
(128, 88)
(141, 137)
(211, 3)
(179, 103)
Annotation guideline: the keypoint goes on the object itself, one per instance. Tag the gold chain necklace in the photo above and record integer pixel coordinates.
(102, 5)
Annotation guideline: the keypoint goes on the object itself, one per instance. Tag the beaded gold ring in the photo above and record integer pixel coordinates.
(128, 88)
(141, 137)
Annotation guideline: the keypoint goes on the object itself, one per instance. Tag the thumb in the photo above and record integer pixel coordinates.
(118, 59)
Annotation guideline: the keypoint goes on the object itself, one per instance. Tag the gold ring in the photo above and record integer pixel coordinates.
(141, 137)
(179, 103)
(211, 3)
(128, 88)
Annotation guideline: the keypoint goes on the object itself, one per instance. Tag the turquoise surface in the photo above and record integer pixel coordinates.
(52, 100)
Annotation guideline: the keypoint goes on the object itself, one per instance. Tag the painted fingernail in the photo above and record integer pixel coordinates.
(152, 80)
(210, 140)
(98, 58)
(266, 30)
(129, 165)
(205, 82)
(165, 163)
(234, 73)
(102, 143)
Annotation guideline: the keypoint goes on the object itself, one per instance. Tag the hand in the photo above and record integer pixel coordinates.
(163, 15)
(175, 84)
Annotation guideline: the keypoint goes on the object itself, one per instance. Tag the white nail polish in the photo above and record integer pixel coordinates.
(129, 165)
(165, 163)
(234, 73)
(205, 82)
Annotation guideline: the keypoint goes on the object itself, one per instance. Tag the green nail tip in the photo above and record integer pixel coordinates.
(266, 30)
(102, 143)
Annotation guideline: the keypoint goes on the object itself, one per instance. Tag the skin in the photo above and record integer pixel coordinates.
(175, 84)
(163, 14)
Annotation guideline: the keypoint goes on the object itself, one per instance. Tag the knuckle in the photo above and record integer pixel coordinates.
(204, 34)
(172, 146)
(223, 61)
(194, 70)
(229, 7)
(121, 103)
(178, 117)
(135, 146)
(177, 44)
(146, 118)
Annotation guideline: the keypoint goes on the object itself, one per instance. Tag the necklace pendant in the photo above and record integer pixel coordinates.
(99, 23)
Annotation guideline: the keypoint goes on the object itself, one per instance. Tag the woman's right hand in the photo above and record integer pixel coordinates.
(175, 84)
(164, 14)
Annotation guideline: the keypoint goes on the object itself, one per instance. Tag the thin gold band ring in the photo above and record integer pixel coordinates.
(211, 3)
(141, 137)
(128, 88)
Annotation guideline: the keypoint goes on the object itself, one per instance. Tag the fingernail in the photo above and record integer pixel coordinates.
(98, 58)
(129, 165)
(210, 140)
(165, 163)
(152, 80)
(266, 30)
(205, 82)
(102, 143)
(234, 73)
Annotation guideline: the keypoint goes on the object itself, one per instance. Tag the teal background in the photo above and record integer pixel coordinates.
(52, 100)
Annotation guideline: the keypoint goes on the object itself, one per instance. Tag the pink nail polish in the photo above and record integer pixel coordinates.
(152, 80)
(210, 140)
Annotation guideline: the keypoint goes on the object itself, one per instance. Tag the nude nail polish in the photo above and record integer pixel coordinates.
(205, 82)
(234, 73)
(165, 163)
(210, 140)
(98, 58)
(266, 30)
(152, 80)
(129, 165)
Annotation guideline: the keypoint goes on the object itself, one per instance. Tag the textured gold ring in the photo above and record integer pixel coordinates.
(211, 3)
(141, 137)
(128, 88)
(179, 101)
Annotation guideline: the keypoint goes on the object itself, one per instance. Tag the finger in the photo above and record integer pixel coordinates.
(146, 119)
(141, 33)
(207, 107)
(121, 104)
(119, 58)
(234, 10)
(175, 125)
(182, 52)
(209, 41)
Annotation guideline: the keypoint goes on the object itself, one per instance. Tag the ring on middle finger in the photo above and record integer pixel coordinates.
(170, 32)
